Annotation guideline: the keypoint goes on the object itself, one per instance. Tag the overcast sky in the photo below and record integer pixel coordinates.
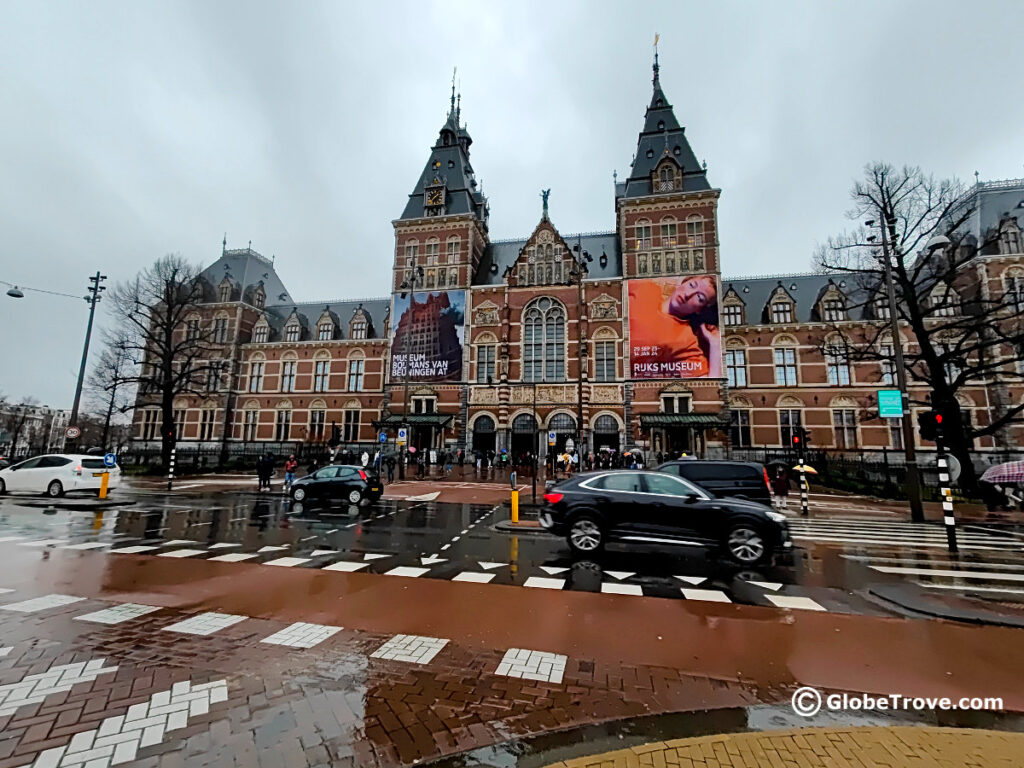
(134, 129)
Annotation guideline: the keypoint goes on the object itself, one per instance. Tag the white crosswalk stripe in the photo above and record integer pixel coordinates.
(896, 535)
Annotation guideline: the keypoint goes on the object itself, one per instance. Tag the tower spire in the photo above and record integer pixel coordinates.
(451, 111)
(656, 36)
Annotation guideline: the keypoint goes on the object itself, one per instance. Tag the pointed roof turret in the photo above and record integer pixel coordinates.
(449, 167)
(662, 137)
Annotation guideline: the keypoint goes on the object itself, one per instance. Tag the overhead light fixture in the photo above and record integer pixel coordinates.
(15, 292)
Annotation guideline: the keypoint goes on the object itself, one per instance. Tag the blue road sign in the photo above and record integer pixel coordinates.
(890, 404)
(383, 437)
(110, 460)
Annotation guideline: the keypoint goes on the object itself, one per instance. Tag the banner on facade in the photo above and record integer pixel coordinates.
(428, 334)
(674, 328)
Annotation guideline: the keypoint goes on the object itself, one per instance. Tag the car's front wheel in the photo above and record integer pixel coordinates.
(355, 496)
(55, 489)
(746, 545)
(585, 536)
(299, 494)
(3, 487)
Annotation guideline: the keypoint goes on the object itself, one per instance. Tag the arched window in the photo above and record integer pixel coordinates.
(484, 425)
(562, 422)
(544, 341)
(943, 301)
(524, 424)
(605, 424)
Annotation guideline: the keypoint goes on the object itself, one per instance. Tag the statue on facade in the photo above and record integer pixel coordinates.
(544, 193)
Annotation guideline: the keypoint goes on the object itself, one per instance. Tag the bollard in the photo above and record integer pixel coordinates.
(97, 521)
(104, 481)
(170, 470)
(945, 492)
(515, 506)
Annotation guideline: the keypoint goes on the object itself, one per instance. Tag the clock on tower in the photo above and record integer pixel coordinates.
(434, 199)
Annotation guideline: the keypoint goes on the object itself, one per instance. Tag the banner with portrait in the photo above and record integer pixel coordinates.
(674, 328)
(427, 337)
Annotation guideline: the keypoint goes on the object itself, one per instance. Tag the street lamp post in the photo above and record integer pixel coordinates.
(909, 452)
(92, 299)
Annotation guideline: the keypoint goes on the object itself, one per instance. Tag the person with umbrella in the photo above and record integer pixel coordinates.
(780, 485)
(1006, 479)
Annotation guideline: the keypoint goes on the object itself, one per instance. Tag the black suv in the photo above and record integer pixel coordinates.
(649, 507)
(343, 482)
(736, 479)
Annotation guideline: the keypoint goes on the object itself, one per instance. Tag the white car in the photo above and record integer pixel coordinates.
(57, 474)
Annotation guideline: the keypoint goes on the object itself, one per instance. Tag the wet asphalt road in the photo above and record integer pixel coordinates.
(830, 571)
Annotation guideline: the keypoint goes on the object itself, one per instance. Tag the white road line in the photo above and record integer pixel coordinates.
(487, 566)
(987, 575)
(205, 623)
(87, 545)
(791, 601)
(118, 614)
(408, 571)
(302, 635)
(374, 556)
(233, 557)
(620, 575)
(613, 588)
(41, 603)
(709, 595)
(288, 562)
(344, 566)
(541, 583)
(695, 580)
(552, 570)
(474, 576)
(970, 588)
(891, 544)
(931, 563)
(774, 586)
(183, 553)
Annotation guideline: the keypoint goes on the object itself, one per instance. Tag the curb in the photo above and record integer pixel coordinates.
(928, 605)
(83, 505)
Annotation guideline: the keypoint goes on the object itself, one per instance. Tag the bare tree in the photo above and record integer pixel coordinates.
(15, 422)
(962, 334)
(109, 381)
(169, 351)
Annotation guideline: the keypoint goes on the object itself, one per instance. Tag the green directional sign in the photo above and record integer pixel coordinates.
(890, 404)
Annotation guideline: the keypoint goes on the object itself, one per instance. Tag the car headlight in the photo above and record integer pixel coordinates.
(777, 517)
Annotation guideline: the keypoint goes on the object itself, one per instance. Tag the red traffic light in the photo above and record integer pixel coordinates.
(938, 418)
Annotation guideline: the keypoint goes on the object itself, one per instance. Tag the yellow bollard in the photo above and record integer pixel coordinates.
(103, 484)
(515, 506)
(97, 521)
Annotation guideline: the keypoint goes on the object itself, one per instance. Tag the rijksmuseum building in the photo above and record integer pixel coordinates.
(628, 338)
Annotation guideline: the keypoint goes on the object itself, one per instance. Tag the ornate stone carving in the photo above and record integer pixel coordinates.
(486, 314)
(483, 396)
(606, 393)
(603, 310)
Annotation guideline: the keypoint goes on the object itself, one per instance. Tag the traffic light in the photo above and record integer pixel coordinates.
(928, 424)
(800, 438)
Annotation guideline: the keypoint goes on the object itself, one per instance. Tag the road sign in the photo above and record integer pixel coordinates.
(569, 445)
(890, 404)
(383, 437)
(110, 460)
(402, 434)
(72, 432)
(551, 438)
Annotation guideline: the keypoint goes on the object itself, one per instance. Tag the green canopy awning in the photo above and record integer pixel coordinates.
(699, 420)
(415, 419)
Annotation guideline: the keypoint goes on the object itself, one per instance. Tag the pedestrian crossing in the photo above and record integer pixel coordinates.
(850, 533)
(583, 576)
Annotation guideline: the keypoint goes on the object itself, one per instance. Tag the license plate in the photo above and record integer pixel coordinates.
(98, 474)
(374, 489)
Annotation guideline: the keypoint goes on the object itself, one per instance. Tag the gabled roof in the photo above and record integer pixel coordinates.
(341, 311)
(991, 201)
(449, 164)
(502, 254)
(661, 137)
(806, 290)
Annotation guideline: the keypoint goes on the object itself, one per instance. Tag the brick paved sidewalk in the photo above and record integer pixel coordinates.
(895, 747)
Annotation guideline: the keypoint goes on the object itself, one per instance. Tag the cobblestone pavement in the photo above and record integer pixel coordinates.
(879, 747)
(249, 691)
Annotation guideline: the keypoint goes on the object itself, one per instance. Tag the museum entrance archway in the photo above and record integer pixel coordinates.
(484, 435)
(606, 434)
(524, 436)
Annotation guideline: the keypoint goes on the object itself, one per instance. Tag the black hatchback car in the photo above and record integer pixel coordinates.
(736, 479)
(649, 507)
(342, 482)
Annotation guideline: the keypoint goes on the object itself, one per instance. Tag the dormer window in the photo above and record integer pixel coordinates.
(942, 301)
(833, 310)
(224, 292)
(260, 334)
(292, 332)
(325, 331)
(359, 327)
(782, 312)
(732, 314)
(259, 298)
(882, 308)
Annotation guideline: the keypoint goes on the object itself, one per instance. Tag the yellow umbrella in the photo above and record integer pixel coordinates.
(806, 468)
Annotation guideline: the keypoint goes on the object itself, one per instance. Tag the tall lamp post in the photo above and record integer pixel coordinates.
(93, 297)
(408, 287)
(909, 452)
